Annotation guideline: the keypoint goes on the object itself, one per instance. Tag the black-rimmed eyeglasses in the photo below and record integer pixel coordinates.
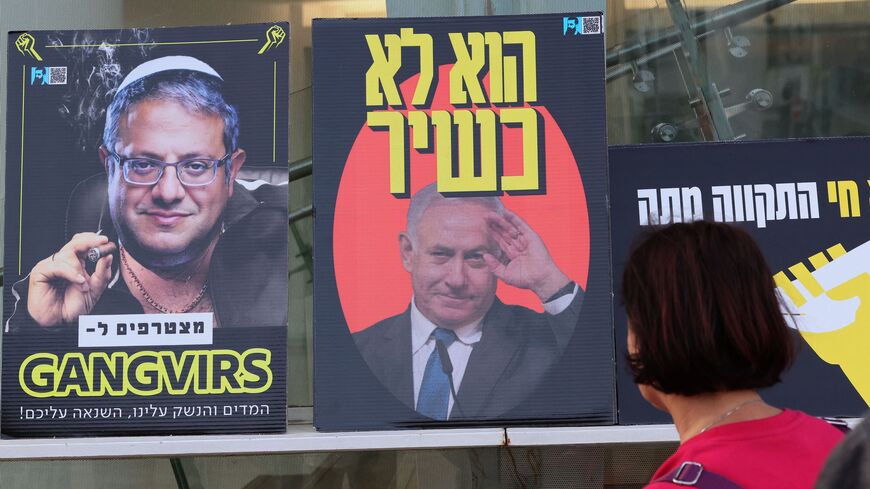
(194, 172)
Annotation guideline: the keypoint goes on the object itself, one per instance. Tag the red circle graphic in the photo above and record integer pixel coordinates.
(373, 285)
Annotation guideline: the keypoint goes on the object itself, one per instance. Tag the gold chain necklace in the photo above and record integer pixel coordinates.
(156, 305)
(731, 411)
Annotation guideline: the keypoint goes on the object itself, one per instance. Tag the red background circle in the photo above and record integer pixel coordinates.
(372, 285)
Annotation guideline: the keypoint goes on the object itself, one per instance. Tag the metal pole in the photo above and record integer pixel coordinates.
(178, 471)
(300, 170)
(658, 53)
(698, 69)
(726, 16)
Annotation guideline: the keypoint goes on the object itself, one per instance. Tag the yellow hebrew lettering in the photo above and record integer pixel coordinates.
(846, 193)
(496, 70)
(528, 119)
(510, 78)
(442, 123)
(464, 121)
(381, 74)
(395, 123)
(488, 179)
(419, 123)
(467, 123)
(832, 191)
(464, 81)
(530, 64)
(427, 63)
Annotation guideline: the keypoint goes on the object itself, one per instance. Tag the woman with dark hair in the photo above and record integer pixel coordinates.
(705, 331)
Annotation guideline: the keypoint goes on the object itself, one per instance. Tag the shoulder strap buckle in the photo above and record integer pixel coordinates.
(838, 423)
(688, 474)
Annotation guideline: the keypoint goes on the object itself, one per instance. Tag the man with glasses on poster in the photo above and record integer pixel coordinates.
(185, 235)
(457, 352)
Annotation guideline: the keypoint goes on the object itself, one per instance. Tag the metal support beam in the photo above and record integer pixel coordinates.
(709, 94)
(300, 170)
(185, 472)
(731, 15)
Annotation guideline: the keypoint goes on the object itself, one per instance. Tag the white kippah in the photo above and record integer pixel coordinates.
(166, 63)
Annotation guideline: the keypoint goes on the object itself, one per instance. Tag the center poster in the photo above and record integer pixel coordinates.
(146, 232)
(462, 272)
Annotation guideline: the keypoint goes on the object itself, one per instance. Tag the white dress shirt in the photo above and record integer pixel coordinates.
(422, 343)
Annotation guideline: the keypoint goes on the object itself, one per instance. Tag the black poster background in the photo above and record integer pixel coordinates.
(570, 73)
(811, 385)
(61, 133)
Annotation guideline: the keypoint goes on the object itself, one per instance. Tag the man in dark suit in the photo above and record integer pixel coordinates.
(457, 352)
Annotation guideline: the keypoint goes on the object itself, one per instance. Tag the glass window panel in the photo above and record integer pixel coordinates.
(789, 72)
(575, 467)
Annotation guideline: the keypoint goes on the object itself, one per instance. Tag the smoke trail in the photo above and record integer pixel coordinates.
(95, 70)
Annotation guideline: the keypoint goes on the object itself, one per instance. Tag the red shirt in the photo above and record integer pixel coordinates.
(785, 451)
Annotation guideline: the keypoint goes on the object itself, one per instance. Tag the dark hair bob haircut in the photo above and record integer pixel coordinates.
(702, 305)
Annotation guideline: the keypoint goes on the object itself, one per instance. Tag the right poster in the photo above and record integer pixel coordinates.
(807, 203)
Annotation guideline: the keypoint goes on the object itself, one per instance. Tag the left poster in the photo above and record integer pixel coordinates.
(145, 287)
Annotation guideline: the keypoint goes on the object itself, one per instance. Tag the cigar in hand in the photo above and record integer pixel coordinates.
(94, 254)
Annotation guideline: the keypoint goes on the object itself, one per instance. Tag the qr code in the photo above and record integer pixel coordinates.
(591, 25)
(57, 75)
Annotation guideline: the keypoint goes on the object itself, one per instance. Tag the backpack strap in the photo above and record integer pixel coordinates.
(693, 474)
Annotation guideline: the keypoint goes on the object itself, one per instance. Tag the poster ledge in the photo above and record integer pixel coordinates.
(297, 439)
(303, 438)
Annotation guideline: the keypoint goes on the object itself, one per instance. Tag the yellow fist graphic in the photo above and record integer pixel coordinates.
(26, 45)
(830, 306)
(274, 36)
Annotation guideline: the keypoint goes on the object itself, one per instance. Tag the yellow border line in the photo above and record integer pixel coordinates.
(274, 106)
(21, 173)
(149, 43)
